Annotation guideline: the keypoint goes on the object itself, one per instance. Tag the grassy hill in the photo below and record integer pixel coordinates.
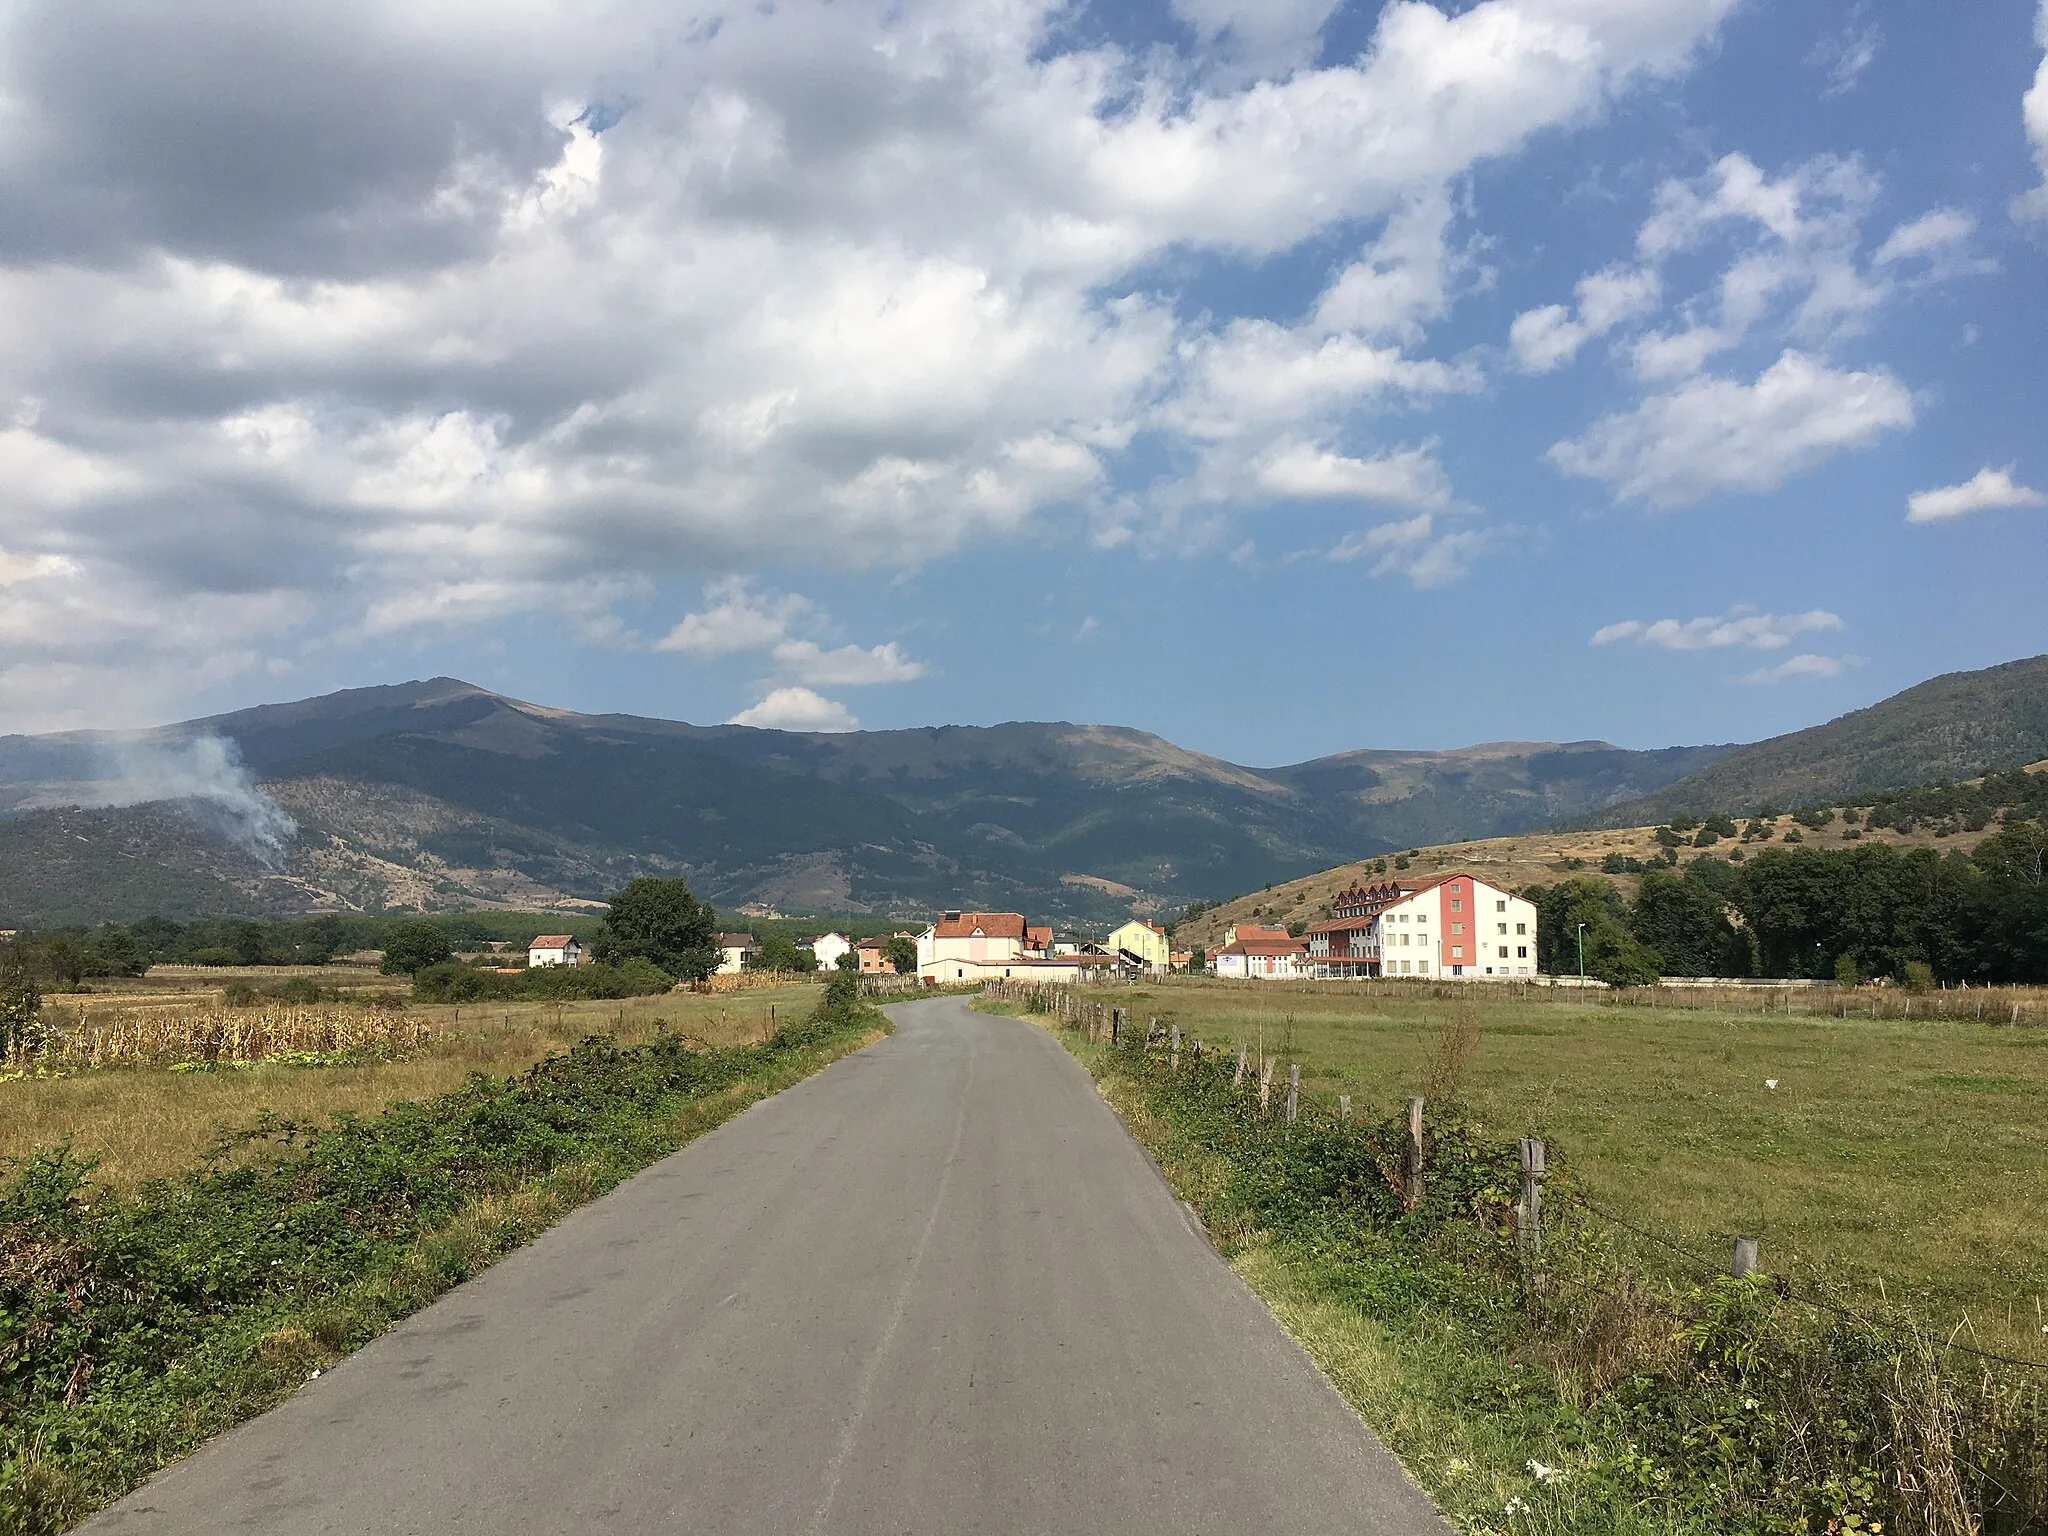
(1950, 727)
(1545, 857)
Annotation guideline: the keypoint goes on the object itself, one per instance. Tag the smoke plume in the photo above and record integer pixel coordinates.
(205, 776)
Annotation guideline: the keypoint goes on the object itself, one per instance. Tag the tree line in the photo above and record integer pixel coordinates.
(1914, 915)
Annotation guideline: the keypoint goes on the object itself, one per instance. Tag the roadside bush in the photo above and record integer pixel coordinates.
(1641, 1401)
(130, 1328)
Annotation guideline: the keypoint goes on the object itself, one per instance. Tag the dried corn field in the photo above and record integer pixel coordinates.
(117, 1078)
(171, 1034)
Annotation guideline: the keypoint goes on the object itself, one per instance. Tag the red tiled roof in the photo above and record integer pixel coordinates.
(1266, 947)
(552, 941)
(1254, 931)
(1038, 936)
(994, 925)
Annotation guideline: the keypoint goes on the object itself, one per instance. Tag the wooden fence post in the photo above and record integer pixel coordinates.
(1266, 1085)
(1744, 1260)
(1173, 1051)
(1293, 1091)
(1242, 1056)
(1411, 1192)
(1529, 1214)
(1343, 1106)
(1116, 1026)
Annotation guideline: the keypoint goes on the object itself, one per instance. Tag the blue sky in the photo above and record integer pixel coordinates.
(1282, 378)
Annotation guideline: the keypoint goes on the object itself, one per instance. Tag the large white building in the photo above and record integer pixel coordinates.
(1448, 927)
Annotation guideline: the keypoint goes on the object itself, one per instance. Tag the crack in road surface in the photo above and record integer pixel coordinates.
(934, 1288)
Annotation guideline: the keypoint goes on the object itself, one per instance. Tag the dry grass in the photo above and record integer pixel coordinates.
(147, 1121)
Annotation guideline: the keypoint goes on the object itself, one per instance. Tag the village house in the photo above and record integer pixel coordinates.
(1238, 931)
(1144, 943)
(734, 951)
(1448, 927)
(828, 947)
(874, 954)
(554, 949)
(1264, 959)
(987, 946)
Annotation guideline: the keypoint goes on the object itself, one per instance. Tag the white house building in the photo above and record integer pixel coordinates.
(1263, 959)
(554, 949)
(828, 947)
(1454, 927)
(734, 949)
(974, 937)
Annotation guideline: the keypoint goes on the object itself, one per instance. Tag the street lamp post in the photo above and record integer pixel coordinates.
(1582, 951)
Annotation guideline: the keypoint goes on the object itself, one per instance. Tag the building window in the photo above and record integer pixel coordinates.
(1422, 917)
(1457, 905)
(1503, 927)
(1500, 906)
(1521, 951)
(1457, 927)
(1521, 927)
(1503, 952)
(1457, 951)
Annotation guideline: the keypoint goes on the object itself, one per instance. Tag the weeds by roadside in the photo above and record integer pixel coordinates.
(131, 1329)
(1579, 1393)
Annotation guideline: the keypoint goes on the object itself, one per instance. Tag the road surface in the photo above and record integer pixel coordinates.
(935, 1288)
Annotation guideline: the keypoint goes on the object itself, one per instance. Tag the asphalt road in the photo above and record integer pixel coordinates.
(935, 1288)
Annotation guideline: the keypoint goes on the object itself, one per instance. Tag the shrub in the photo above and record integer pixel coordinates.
(214, 954)
(238, 994)
(1919, 976)
(1847, 972)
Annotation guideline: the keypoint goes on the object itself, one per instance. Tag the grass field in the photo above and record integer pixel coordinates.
(146, 1122)
(1910, 1154)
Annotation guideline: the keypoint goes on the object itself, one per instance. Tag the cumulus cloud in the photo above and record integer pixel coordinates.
(2032, 207)
(1416, 548)
(797, 709)
(1304, 471)
(1741, 626)
(1987, 490)
(1713, 435)
(1547, 338)
(591, 301)
(738, 619)
(1801, 666)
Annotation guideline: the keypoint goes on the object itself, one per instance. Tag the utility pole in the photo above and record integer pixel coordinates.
(1582, 951)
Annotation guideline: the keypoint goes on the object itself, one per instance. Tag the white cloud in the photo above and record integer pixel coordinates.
(865, 282)
(797, 709)
(739, 619)
(1847, 53)
(1801, 666)
(1741, 626)
(2030, 207)
(1547, 338)
(1987, 490)
(1715, 435)
(1405, 477)
(847, 667)
(1414, 548)
(1931, 235)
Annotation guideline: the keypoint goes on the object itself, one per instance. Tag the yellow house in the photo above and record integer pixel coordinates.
(1145, 940)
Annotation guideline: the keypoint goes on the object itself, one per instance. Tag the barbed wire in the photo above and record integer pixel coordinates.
(1710, 1270)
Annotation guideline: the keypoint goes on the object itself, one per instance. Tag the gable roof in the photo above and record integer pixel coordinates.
(1266, 947)
(554, 941)
(994, 925)
(735, 941)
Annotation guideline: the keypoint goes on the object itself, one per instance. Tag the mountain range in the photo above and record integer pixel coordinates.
(443, 795)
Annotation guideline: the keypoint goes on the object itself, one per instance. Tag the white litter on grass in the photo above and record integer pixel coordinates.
(314, 1377)
(1770, 1082)
(1544, 1474)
